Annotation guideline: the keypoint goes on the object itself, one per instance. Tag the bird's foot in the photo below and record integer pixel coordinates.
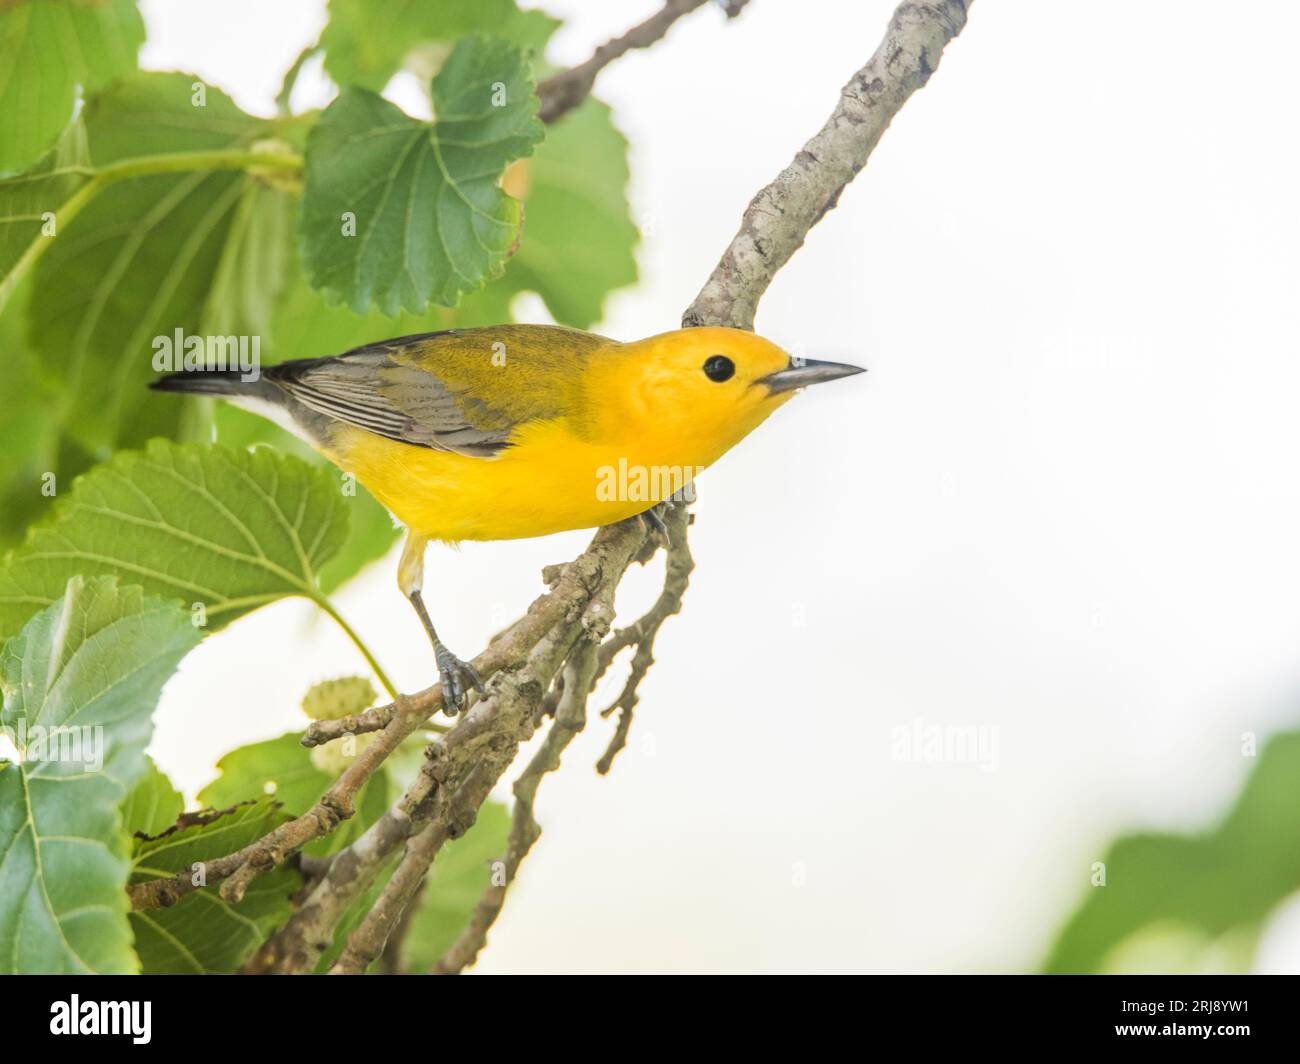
(457, 678)
(654, 518)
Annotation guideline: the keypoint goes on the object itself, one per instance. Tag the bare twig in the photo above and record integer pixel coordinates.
(570, 718)
(677, 575)
(779, 217)
(562, 92)
(585, 666)
(468, 760)
(452, 820)
(575, 653)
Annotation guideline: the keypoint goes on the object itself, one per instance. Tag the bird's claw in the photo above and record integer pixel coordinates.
(457, 677)
(654, 519)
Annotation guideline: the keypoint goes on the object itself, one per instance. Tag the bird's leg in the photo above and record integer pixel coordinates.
(457, 676)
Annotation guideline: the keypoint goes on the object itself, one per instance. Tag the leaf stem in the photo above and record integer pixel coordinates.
(183, 161)
(360, 644)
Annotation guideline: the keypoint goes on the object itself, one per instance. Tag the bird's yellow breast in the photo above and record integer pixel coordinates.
(550, 479)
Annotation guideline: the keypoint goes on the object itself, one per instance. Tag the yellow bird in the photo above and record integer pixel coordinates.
(514, 431)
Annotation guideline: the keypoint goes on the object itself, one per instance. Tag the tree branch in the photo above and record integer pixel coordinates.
(465, 764)
(562, 92)
(778, 219)
(611, 550)
(570, 718)
(562, 631)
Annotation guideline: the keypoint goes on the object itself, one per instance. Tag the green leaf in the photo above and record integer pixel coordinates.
(579, 238)
(431, 220)
(1216, 885)
(284, 768)
(366, 41)
(153, 806)
(227, 530)
(31, 448)
(460, 874)
(203, 934)
(371, 531)
(250, 275)
(91, 666)
(146, 257)
(29, 201)
(279, 767)
(47, 49)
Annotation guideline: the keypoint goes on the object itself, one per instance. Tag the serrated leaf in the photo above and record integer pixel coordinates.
(153, 804)
(460, 874)
(365, 41)
(431, 220)
(203, 934)
(282, 768)
(228, 530)
(48, 48)
(91, 666)
(371, 530)
(579, 240)
(139, 261)
(1206, 887)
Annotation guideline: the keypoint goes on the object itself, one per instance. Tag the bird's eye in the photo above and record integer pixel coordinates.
(719, 368)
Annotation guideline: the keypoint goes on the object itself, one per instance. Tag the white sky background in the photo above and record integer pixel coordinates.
(1062, 504)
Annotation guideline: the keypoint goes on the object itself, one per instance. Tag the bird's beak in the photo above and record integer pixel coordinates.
(805, 371)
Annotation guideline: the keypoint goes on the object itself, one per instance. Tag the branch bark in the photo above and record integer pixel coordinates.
(779, 218)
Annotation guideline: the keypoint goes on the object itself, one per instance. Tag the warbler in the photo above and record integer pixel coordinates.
(513, 431)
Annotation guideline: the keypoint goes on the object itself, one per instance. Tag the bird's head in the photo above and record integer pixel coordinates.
(705, 387)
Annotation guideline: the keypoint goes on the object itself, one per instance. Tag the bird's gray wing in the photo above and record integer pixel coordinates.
(428, 390)
(375, 389)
